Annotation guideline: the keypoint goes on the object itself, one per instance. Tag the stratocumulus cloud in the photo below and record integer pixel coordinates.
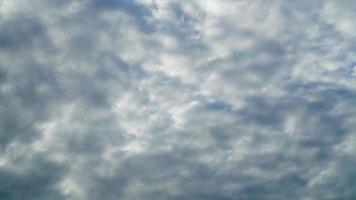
(200, 99)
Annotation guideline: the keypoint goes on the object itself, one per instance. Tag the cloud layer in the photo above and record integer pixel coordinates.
(106, 99)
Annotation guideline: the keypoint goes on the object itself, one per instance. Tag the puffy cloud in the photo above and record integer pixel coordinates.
(175, 100)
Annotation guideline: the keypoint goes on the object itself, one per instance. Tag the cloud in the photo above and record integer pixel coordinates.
(167, 100)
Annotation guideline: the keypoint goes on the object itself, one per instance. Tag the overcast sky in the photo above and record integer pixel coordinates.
(177, 100)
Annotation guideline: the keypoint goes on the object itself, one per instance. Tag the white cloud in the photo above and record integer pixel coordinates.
(175, 100)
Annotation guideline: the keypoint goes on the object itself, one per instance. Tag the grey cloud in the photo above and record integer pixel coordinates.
(37, 181)
(166, 100)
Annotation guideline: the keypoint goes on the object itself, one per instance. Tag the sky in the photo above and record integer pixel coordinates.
(177, 99)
